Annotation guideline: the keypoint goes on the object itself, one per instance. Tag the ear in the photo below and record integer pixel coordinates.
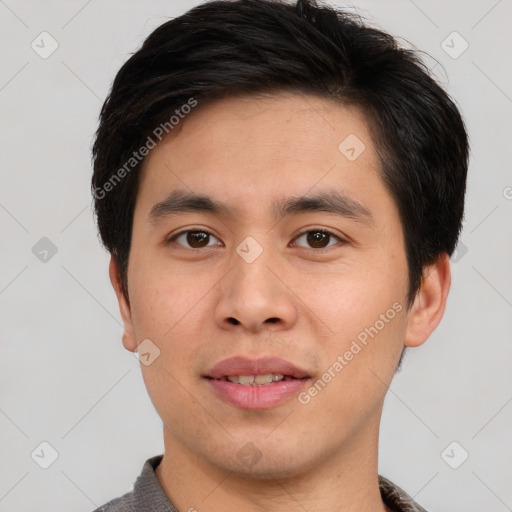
(129, 339)
(430, 302)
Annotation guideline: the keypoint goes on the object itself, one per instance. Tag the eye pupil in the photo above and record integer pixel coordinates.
(317, 237)
(196, 237)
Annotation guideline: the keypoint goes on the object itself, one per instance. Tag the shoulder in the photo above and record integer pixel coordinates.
(396, 498)
(146, 492)
(125, 503)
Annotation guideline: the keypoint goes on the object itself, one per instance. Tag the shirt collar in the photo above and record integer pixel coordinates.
(149, 494)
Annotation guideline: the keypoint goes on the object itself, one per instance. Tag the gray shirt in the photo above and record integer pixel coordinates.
(148, 495)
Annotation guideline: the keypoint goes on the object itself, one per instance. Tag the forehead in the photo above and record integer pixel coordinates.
(255, 149)
(272, 121)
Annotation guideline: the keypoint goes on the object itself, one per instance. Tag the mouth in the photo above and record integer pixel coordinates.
(257, 380)
(256, 383)
(243, 367)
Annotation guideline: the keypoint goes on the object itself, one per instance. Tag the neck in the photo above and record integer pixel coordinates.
(346, 481)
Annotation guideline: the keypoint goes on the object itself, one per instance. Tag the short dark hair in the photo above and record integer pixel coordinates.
(232, 47)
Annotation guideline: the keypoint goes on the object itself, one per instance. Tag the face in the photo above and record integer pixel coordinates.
(290, 269)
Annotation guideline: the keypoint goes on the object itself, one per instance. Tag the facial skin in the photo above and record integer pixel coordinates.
(293, 301)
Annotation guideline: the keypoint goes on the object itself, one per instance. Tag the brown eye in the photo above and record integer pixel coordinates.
(318, 239)
(193, 239)
(197, 239)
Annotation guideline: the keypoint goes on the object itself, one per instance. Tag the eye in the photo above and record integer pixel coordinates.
(318, 238)
(196, 239)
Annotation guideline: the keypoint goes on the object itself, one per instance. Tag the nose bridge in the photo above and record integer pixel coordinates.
(252, 275)
(252, 281)
(251, 294)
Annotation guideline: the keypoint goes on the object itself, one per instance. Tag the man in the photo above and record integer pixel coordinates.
(280, 188)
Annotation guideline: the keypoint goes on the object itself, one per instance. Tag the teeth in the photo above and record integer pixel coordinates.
(246, 379)
(257, 380)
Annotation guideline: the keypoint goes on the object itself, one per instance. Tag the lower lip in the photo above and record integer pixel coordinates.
(257, 397)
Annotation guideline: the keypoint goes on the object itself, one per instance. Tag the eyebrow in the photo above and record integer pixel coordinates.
(330, 201)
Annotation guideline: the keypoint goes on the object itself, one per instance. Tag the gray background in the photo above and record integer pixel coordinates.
(65, 377)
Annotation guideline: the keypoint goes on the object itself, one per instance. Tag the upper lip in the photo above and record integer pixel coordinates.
(246, 366)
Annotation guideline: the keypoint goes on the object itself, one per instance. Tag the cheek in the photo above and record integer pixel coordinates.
(172, 309)
(354, 298)
(164, 300)
(358, 370)
(365, 309)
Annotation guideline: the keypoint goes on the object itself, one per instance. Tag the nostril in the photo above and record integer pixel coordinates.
(272, 320)
(233, 321)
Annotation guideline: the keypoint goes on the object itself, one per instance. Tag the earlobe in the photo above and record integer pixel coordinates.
(129, 338)
(430, 302)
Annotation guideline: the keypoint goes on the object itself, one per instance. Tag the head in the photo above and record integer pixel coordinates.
(273, 116)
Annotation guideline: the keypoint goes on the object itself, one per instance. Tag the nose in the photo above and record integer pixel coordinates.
(255, 297)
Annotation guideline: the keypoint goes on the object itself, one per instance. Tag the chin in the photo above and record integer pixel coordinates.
(264, 461)
(265, 470)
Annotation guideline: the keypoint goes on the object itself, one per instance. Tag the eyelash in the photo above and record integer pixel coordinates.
(314, 230)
